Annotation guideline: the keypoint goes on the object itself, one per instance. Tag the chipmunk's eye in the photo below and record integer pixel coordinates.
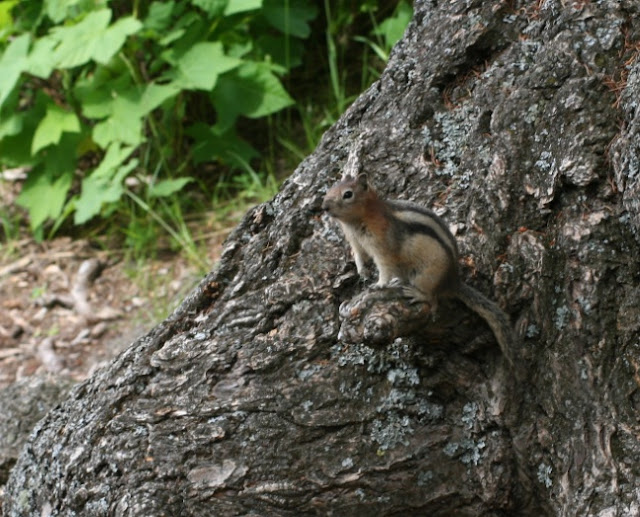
(348, 194)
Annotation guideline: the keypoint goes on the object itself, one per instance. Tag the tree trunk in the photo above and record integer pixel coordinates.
(518, 123)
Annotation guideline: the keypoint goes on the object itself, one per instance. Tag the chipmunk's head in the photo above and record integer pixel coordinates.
(347, 200)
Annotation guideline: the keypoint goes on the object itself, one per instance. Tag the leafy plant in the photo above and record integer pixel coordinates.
(388, 32)
(351, 63)
(91, 95)
(131, 115)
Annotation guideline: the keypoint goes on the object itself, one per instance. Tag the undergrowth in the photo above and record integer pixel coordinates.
(138, 122)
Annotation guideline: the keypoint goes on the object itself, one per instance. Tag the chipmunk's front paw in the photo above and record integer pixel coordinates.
(379, 285)
(413, 294)
(416, 296)
(395, 282)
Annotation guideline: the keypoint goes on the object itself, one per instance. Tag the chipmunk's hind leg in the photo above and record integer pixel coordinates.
(423, 289)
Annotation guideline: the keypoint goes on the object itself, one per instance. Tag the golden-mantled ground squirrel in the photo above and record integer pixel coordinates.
(409, 244)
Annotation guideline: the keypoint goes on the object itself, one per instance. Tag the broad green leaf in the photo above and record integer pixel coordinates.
(154, 95)
(191, 23)
(99, 101)
(114, 37)
(239, 49)
(165, 188)
(123, 125)
(171, 37)
(393, 27)
(114, 157)
(56, 10)
(61, 158)
(44, 195)
(290, 16)
(277, 53)
(97, 94)
(16, 149)
(240, 6)
(250, 90)
(125, 112)
(6, 20)
(159, 16)
(77, 42)
(13, 62)
(11, 125)
(104, 184)
(122, 104)
(92, 38)
(96, 191)
(211, 145)
(50, 129)
(47, 199)
(59, 10)
(211, 7)
(200, 66)
(40, 62)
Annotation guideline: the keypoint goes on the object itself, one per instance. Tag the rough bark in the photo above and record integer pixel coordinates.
(516, 121)
(21, 406)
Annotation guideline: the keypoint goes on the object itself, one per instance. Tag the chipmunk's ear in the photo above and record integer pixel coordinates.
(363, 181)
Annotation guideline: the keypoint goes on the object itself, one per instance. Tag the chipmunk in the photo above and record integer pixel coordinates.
(409, 244)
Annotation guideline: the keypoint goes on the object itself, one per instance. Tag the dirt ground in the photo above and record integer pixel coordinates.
(68, 307)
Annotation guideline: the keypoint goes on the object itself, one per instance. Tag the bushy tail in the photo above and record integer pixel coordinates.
(493, 315)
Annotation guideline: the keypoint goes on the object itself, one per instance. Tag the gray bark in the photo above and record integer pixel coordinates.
(518, 123)
(21, 406)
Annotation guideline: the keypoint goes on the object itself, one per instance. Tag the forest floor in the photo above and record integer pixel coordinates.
(68, 307)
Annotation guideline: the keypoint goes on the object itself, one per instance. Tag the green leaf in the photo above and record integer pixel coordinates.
(199, 67)
(125, 112)
(122, 104)
(43, 197)
(277, 53)
(99, 101)
(393, 27)
(190, 23)
(212, 145)
(16, 149)
(60, 10)
(114, 37)
(211, 7)
(56, 10)
(171, 37)
(77, 42)
(50, 129)
(290, 16)
(104, 184)
(40, 62)
(11, 125)
(124, 125)
(240, 6)
(239, 49)
(6, 20)
(154, 95)
(13, 62)
(45, 191)
(98, 91)
(159, 16)
(115, 156)
(251, 90)
(92, 38)
(165, 188)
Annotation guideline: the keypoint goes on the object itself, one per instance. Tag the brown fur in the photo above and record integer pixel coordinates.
(410, 244)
